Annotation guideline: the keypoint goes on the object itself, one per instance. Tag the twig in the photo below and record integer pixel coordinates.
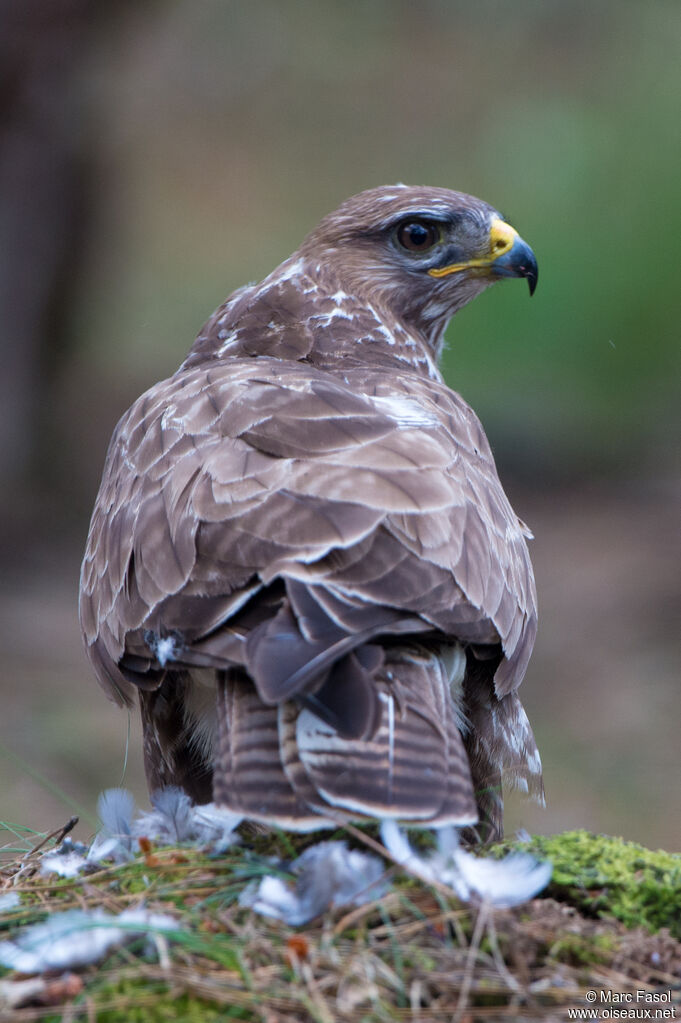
(473, 949)
(59, 834)
(498, 958)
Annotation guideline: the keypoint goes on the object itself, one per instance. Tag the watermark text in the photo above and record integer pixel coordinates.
(605, 1004)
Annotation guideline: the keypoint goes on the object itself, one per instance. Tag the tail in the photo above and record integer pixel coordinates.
(286, 766)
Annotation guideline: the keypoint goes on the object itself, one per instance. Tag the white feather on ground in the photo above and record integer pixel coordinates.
(79, 937)
(69, 860)
(501, 883)
(173, 821)
(176, 819)
(328, 875)
(115, 808)
(9, 901)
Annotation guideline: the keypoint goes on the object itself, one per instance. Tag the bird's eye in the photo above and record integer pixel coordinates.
(417, 235)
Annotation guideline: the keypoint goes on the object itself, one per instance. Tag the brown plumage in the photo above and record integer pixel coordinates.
(301, 557)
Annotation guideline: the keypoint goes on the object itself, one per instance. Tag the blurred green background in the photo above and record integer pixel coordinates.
(154, 156)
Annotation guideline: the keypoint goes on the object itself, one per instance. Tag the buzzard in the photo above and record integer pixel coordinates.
(301, 560)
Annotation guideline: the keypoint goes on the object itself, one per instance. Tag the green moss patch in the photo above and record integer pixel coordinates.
(605, 876)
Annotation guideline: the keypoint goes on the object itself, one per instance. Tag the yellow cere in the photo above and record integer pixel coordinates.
(501, 238)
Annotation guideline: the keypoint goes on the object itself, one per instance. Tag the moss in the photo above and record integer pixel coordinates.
(582, 950)
(605, 876)
(139, 1001)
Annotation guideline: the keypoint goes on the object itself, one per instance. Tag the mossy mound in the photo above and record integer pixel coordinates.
(414, 955)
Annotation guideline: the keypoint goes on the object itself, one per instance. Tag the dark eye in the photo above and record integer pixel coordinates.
(417, 235)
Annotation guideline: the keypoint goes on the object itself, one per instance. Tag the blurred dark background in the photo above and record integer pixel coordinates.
(154, 156)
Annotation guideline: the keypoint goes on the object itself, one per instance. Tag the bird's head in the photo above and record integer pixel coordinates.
(422, 253)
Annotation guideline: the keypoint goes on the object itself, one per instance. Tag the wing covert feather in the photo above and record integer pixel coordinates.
(275, 471)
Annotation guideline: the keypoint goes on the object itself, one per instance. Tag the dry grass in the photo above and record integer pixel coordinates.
(414, 955)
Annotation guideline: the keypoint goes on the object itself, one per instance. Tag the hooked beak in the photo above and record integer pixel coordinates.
(516, 258)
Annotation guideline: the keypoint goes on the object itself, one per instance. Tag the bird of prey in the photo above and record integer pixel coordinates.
(301, 560)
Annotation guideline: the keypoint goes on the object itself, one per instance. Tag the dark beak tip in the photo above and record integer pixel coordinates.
(519, 261)
(528, 269)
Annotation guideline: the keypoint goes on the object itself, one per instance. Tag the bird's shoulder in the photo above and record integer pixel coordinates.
(233, 419)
